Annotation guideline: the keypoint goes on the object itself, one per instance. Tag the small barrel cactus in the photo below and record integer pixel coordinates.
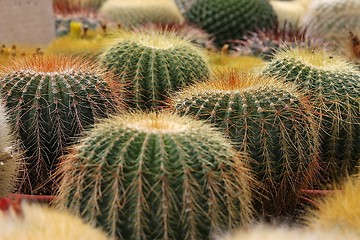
(230, 19)
(333, 85)
(9, 159)
(25, 221)
(339, 210)
(157, 176)
(331, 20)
(51, 100)
(268, 120)
(131, 13)
(152, 64)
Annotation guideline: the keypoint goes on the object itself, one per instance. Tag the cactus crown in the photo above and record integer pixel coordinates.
(318, 59)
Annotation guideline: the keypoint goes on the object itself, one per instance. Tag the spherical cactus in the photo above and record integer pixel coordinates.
(268, 232)
(332, 20)
(51, 100)
(130, 13)
(269, 121)
(153, 64)
(9, 159)
(230, 19)
(25, 221)
(157, 176)
(334, 86)
(339, 210)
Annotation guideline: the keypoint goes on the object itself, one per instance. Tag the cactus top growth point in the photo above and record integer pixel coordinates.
(268, 120)
(230, 19)
(334, 86)
(157, 176)
(50, 100)
(153, 64)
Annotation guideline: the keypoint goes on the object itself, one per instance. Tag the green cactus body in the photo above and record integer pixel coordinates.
(131, 13)
(332, 20)
(334, 86)
(269, 121)
(151, 65)
(157, 176)
(230, 19)
(50, 100)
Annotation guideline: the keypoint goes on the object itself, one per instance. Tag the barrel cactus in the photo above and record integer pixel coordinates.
(152, 64)
(333, 85)
(270, 122)
(51, 100)
(332, 20)
(230, 19)
(156, 176)
(25, 221)
(131, 13)
(9, 158)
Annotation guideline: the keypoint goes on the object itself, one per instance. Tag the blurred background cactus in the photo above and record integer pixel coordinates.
(269, 121)
(25, 221)
(157, 176)
(131, 13)
(51, 100)
(331, 20)
(227, 20)
(333, 84)
(151, 65)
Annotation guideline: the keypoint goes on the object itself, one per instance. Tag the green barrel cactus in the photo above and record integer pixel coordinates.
(153, 64)
(230, 19)
(9, 158)
(269, 121)
(331, 20)
(157, 176)
(333, 85)
(131, 13)
(51, 100)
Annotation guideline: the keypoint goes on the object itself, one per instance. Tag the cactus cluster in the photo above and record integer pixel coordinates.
(270, 122)
(25, 221)
(333, 85)
(332, 20)
(50, 101)
(227, 20)
(130, 13)
(157, 176)
(153, 64)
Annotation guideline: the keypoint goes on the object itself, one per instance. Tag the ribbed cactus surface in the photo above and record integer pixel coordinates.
(153, 64)
(26, 221)
(230, 19)
(334, 86)
(332, 20)
(266, 119)
(51, 100)
(156, 176)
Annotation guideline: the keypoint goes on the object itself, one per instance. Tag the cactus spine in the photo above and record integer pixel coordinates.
(50, 100)
(269, 121)
(334, 86)
(25, 221)
(156, 176)
(153, 64)
(230, 19)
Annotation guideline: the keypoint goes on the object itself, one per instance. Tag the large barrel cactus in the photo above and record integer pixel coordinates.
(334, 86)
(157, 176)
(268, 120)
(153, 64)
(51, 100)
(230, 19)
